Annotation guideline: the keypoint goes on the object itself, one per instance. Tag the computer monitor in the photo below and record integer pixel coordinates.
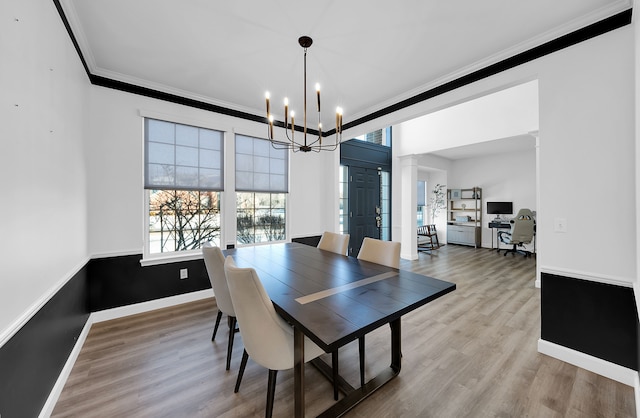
(499, 208)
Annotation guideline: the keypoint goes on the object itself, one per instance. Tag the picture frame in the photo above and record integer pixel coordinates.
(456, 194)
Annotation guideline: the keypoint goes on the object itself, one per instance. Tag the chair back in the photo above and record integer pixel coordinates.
(336, 243)
(267, 337)
(427, 230)
(522, 227)
(380, 252)
(214, 262)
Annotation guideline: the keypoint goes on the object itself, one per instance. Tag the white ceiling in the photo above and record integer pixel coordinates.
(366, 54)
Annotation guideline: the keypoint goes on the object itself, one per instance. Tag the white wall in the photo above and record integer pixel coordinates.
(637, 177)
(587, 157)
(42, 167)
(637, 120)
(116, 161)
(502, 114)
(587, 151)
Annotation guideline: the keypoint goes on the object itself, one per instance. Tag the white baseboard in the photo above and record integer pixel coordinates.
(151, 305)
(410, 257)
(604, 368)
(106, 315)
(47, 409)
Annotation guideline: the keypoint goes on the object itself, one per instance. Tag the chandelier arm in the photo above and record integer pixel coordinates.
(318, 139)
(303, 144)
(286, 133)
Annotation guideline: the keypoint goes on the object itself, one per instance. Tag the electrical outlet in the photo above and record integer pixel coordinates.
(184, 273)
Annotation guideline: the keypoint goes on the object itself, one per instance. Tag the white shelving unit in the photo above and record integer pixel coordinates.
(464, 216)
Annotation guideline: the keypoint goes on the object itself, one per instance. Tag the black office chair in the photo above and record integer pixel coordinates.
(522, 231)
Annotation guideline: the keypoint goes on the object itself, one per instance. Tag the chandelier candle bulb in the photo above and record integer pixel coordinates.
(271, 126)
(266, 96)
(318, 94)
(286, 111)
(293, 125)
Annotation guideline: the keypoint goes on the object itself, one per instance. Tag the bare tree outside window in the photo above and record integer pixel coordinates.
(182, 220)
(260, 217)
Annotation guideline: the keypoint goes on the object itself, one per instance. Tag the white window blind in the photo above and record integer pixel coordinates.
(260, 167)
(182, 157)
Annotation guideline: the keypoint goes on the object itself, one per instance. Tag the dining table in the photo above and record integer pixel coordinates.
(333, 300)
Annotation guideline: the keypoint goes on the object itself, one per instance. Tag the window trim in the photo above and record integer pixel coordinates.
(287, 193)
(171, 258)
(149, 259)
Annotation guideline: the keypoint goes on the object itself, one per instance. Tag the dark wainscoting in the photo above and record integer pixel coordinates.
(594, 318)
(32, 360)
(121, 281)
(312, 240)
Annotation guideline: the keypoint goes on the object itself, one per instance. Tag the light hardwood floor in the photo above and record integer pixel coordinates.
(472, 353)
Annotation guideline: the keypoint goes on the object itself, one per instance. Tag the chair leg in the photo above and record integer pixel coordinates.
(361, 351)
(231, 327)
(271, 392)
(215, 328)
(334, 364)
(232, 323)
(243, 364)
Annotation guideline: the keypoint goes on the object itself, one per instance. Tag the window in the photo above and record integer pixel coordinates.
(380, 137)
(183, 179)
(344, 199)
(262, 185)
(422, 202)
(385, 198)
(260, 217)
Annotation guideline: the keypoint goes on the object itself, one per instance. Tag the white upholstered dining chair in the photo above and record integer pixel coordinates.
(380, 252)
(339, 244)
(214, 262)
(267, 338)
(336, 243)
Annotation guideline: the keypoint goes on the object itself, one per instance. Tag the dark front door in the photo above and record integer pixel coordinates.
(364, 206)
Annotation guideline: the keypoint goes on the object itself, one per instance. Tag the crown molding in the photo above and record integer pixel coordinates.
(613, 16)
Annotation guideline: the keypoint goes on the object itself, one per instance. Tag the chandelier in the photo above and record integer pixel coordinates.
(304, 145)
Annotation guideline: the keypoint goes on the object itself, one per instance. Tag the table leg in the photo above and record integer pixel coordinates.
(396, 346)
(491, 229)
(298, 372)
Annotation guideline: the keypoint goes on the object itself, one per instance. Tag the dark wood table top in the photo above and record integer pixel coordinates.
(332, 298)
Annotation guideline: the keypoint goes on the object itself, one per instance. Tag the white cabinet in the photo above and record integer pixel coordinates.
(463, 234)
(464, 216)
